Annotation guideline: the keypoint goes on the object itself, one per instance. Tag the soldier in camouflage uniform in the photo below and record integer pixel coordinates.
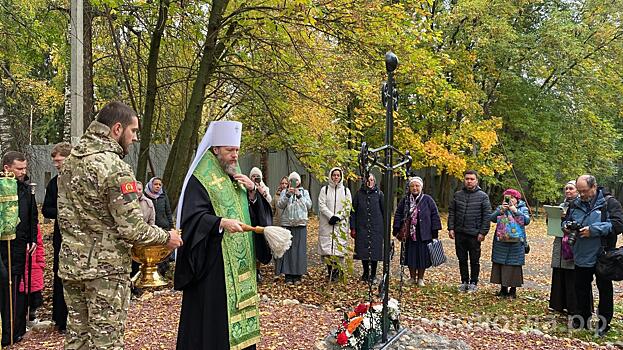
(100, 219)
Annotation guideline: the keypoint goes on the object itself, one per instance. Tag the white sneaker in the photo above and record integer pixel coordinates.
(420, 282)
(472, 287)
(463, 287)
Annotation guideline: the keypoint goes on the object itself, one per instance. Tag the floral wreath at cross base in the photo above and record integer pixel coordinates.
(361, 328)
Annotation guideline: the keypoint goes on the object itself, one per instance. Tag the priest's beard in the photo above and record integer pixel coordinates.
(228, 168)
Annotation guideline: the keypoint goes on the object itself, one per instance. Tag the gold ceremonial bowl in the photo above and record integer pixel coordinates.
(149, 257)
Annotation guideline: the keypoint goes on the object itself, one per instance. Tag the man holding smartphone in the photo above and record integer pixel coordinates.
(468, 223)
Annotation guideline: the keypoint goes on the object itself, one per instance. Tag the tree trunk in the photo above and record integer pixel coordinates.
(185, 141)
(67, 112)
(264, 165)
(5, 128)
(151, 90)
(89, 95)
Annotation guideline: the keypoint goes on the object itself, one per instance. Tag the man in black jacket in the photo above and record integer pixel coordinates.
(468, 223)
(50, 211)
(23, 244)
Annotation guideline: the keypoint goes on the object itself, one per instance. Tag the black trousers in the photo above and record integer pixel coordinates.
(468, 247)
(59, 307)
(583, 289)
(19, 310)
(366, 268)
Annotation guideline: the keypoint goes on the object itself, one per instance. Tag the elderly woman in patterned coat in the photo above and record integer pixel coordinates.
(420, 211)
(509, 245)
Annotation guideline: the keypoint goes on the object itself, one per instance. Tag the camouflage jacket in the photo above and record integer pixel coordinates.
(98, 210)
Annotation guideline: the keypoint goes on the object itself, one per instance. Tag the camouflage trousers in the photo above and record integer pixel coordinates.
(97, 312)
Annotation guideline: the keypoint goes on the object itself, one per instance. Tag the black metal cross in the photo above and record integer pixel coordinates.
(369, 158)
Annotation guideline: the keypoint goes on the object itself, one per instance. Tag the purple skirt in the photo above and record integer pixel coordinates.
(416, 254)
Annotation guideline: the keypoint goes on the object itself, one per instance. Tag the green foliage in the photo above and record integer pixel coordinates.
(534, 86)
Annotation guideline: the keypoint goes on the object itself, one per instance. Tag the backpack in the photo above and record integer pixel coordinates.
(9, 208)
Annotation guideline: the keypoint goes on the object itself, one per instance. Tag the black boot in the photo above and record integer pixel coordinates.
(366, 270)
(513, 293)
(335, 275)
(503, 292)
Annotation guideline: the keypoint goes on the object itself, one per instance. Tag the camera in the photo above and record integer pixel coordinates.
(257, 180)
(574, 229)
(507, 199)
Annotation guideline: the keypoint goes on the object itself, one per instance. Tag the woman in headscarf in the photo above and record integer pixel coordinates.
(256, 176)
(295, 203)
(420, 212)
(155, 191)
(509, 245)
(562, 296)
(334, 204)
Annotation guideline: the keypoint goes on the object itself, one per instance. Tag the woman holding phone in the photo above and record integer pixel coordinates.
(295, 203)
(509, 245)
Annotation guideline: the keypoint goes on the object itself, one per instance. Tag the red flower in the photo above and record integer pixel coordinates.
(342, 339)
(361, 309)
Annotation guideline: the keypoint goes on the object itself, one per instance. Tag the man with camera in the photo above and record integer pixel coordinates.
(592, 223)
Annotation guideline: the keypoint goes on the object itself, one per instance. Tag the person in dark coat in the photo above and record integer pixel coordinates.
(366, 227)
(216, 268)
(23, 243)
(50, 211)
(422, 214)
(508, 251)
(468, 224)
(562, 292)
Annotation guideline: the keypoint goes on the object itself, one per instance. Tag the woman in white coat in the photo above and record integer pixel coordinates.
(334, 202)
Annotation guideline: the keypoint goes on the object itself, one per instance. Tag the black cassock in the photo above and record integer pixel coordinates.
(200, 271)
(50, 211)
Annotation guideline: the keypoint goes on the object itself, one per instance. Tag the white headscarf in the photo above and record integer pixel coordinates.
(416, 179)
(257, 171)
(294, 175)
(219, 133)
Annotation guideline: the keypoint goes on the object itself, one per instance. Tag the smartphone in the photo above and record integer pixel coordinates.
(293, 183)
(507, 199)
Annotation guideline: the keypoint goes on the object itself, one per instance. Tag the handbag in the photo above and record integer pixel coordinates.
(436, 253)
(510, 228)
(610, 264)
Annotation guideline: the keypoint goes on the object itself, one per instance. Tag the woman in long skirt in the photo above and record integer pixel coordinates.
(295, 203)
(419, 211)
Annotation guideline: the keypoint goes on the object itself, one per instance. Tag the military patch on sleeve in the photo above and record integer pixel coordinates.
(128, 190)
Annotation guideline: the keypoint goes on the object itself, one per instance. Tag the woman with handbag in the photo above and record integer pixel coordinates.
(509, 245)
(416, 224)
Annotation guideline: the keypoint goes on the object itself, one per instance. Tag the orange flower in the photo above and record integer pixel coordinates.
(354, 323)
